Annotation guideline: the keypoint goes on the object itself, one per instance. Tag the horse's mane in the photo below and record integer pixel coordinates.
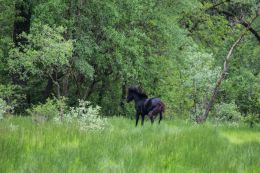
(138, 91)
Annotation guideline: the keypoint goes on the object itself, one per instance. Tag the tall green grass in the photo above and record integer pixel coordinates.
(173, 146)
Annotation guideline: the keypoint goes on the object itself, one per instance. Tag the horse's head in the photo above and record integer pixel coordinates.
(131, 93)
(134, 91)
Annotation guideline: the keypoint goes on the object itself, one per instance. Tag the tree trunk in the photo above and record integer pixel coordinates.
(209, 106)
(54, 78)
(102, 91)
(194, 97)
(65, 85)
(56, 82)
(48, 89)
(90, 89)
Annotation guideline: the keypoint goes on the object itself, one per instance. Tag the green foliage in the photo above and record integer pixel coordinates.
(46, 52)
(7, 15)
(92, 50)
(6, 22)
(4, 108)
(201, 74)
(51, 12)
(13, 95)
(227, 112)
(53, 108)
(251, 119)
(207, 30)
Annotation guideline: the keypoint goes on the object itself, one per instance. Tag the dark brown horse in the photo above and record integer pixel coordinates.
(144, 105)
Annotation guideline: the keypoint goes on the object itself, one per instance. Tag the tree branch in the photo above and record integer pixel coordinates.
(209, 106)
(254, 32)
(217, 4)
(242, 22)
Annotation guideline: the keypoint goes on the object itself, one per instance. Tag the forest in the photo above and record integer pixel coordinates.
(66, 66)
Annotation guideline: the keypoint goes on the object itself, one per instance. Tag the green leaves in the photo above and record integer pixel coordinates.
(94, 49)
(46, 52)
(84, 68)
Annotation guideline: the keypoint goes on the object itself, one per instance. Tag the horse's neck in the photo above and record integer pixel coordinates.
(138, 99)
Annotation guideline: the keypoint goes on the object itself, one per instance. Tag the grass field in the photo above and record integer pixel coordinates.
(173, 146)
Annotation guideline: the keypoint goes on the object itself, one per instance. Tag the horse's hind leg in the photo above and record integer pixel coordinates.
(161, 116)
(150, 114)
(142, 120)
(152, 120)
(137, 118)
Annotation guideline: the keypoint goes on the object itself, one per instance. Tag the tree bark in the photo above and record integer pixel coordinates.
(209, 106)
(90, 89)
(65, 85)
(48, 89)
(56, 82)
(102, 91)
(244, 23)
(254, 32)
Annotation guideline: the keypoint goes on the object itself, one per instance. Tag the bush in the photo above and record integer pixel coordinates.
(4, 108)
(47, 111)
(251, 119)
(227, 112)
(86, 116)
(13, 96)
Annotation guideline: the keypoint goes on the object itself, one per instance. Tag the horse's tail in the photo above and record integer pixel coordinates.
(162, 107)
(159, 108)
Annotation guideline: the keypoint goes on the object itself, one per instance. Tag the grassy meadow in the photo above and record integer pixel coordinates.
(172, 146)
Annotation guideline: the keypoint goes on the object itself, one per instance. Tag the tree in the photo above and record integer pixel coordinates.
(46, 55)
(209, 106)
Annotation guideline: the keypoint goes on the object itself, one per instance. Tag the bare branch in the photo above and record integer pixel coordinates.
(210, 105)
(242, 22)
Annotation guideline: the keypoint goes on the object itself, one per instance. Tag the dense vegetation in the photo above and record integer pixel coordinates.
(65, 67)
(93, 50)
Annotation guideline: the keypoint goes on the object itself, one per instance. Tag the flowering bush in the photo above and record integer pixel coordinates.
(200, 74)
(4, 108)
(86, 116)
(227, 112)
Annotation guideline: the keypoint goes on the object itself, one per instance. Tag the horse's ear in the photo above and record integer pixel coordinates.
(141, 92)
(133, 89)
(138, 90)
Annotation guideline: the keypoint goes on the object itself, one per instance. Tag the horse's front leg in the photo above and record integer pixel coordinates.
(136, 118)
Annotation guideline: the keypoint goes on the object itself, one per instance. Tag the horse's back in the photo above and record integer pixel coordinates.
(155, 100)
(161, 104)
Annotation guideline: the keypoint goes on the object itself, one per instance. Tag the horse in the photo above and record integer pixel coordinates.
(144, 105)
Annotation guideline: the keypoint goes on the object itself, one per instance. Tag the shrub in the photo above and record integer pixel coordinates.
(86, 116)
(251, 119)
(47, 111)
(4, 108)
(13, 96)
(227, 112)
